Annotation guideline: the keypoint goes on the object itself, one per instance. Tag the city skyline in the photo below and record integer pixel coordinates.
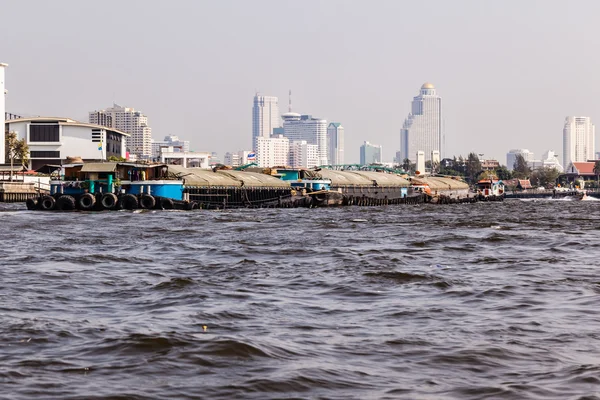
(468, 51)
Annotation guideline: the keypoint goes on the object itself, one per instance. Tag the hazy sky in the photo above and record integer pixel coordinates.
(508, 71)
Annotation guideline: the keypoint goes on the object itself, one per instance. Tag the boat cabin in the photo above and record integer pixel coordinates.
(490, 187)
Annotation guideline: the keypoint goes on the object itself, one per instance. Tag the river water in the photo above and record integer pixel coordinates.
(473, 301)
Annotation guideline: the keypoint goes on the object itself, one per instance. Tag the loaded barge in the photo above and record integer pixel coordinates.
(125, 185)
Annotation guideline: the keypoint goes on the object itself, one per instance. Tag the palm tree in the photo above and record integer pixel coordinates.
(597, 173)
(16, 150)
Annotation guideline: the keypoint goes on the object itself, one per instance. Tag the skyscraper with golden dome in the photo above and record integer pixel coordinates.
(422, 129)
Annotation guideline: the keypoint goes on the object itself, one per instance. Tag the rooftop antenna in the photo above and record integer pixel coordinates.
(290, 102)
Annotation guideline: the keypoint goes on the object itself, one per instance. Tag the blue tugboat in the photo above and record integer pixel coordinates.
(112, 186)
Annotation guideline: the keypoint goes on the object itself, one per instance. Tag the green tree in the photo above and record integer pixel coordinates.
(520, 168)
(449, 167)
(406, 165)
(597, 173)
(472, 167)
(545, 177)
(503, 173)
(16, 150)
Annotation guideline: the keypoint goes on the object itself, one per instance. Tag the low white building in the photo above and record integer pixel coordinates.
(169, 141)
(239, 158)
(273, 151)
(303, 154)
(187, 159)
(52, 139)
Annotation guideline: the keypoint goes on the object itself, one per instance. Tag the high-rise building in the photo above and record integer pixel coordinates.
(422, 129)
(511, 157)
(370, 154)
(273, 151)
(303, 154)
(335, 144)
(265, 116)
(578, 140)
(129, 121)
(298, 127)
(2, 114)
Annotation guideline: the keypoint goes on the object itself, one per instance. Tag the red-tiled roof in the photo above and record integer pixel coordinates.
(524, 183)
(584, 168)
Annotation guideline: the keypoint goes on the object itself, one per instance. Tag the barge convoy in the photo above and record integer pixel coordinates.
(125, 185)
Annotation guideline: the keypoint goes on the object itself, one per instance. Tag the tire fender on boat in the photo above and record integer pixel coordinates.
(166, 203)
(47, 203)
(109, 201)
(31, 203)
(65, 203)
(129, 202)
(147, 201)
(86, 202)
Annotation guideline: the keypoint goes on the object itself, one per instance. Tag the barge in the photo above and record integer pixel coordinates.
(124, 185)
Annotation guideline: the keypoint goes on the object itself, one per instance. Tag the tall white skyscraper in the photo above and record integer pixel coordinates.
(578, 140)
(335, 144)
(2, 114)
(130, 121)
(265, 116)
(422, 129)
(298, 127)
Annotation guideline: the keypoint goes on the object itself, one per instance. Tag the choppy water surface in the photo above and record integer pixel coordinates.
(476, 301)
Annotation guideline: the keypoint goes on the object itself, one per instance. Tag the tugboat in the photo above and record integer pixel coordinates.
(490, 190)
(308, 183)
(112, 186)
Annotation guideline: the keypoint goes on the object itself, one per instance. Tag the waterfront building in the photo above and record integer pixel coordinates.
(370, 154)
(297, 127)
(422, 129)
(187, 159)
(578, 140)
(335, 144)
(489, 164)
(265, 116)
(273, 151)
(169, 142)
(511, 157)
(130, 121)
(2, 113)
(303, 154)
(51, 140)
